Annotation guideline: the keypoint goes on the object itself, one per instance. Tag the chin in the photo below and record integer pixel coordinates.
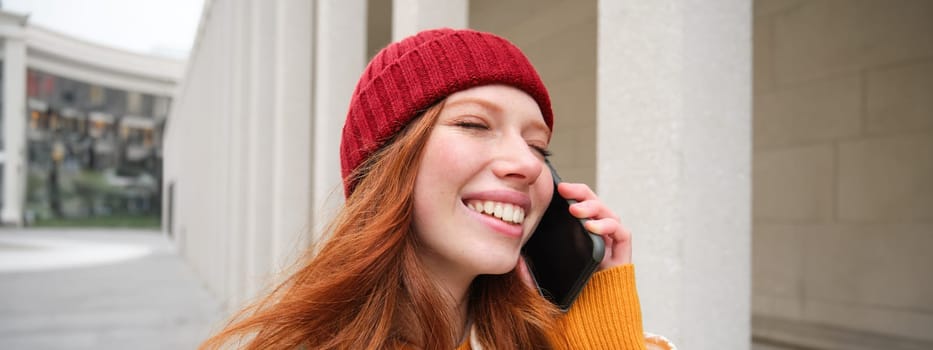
(499, 266)
(502, 271)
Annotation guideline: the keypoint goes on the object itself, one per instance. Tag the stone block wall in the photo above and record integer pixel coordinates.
(843, 166)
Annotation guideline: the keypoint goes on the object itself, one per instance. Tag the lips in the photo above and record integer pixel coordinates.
(507, 212)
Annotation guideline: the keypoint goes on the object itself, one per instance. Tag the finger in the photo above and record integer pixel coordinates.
(620, 252)
(576, 191)
(609, 255)
(616, 256)
(603, 222)
(610, 229)
(617, 240)
(588, 209)
(588, 204)
(604, 227)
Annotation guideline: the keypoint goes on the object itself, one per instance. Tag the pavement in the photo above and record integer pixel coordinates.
(99, 289)
(105, 289)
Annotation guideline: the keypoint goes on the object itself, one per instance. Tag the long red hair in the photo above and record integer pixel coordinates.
(366, 287)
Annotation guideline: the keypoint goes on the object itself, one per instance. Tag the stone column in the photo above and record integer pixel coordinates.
(411, 16)
(237, 257)
(293, 137)
(260, 94)
(340, 56)
(14, 121)
(673, 159)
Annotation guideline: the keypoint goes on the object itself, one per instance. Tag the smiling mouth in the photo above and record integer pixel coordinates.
(509, 213)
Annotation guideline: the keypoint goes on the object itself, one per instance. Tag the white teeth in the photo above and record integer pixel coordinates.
(504, 211)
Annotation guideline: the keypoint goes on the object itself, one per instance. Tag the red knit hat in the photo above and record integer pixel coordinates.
(409, 76)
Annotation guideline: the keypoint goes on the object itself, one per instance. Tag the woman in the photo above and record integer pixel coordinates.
(443, 165)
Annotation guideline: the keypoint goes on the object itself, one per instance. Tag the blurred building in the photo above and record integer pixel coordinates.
(82, 125)
(773, 158)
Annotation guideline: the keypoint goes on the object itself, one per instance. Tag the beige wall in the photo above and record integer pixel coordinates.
(843, 165)
(559, 37)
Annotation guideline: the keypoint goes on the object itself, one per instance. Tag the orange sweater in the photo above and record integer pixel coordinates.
(607, 314)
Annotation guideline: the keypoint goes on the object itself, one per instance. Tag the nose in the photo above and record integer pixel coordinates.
(517, 162)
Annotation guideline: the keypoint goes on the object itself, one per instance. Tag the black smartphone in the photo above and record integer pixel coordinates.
(561, 254)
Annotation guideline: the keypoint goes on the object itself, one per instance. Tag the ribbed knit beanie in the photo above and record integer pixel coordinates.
(410, 75)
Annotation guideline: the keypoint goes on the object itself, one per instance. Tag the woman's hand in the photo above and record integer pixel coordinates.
(602, 221)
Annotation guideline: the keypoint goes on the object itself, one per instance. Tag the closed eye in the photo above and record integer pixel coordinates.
(471, 125)
(544, 151)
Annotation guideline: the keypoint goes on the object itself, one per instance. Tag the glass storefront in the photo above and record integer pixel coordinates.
(94, 153)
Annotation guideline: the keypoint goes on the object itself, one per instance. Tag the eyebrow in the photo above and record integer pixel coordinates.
(542, 127)
(484, 103)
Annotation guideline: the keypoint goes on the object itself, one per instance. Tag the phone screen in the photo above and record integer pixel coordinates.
(561, 254)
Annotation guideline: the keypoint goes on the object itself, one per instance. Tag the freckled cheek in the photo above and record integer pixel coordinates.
(444, 169)
(546, 195)
(449, 159)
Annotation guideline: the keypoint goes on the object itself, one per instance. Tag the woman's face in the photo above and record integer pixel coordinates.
(482, 185)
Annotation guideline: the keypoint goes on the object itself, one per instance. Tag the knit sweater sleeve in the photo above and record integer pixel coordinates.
(606, 315)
